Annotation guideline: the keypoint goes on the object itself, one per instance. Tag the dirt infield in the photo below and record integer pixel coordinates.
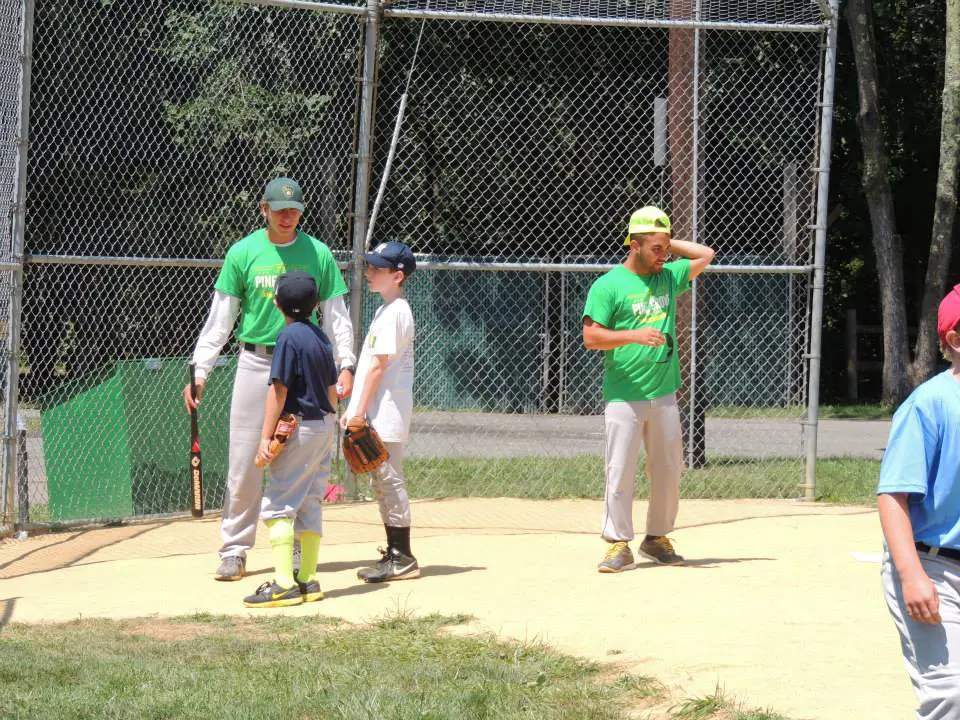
(772, 606)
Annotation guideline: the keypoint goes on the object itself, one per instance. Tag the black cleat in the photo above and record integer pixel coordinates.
(393, 565)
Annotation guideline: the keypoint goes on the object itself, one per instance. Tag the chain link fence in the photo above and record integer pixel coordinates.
(528, 145)
(12, 50)
(524, 146)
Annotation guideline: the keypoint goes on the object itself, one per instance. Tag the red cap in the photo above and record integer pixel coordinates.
(948, 315)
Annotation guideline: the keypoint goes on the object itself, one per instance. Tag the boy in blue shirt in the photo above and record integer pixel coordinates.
(303, 381)
(918, 500)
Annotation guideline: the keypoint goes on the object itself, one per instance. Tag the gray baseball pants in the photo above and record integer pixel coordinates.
(931, 653)
(655, 424)
(390, 488)
(241, 505)
(299, 476)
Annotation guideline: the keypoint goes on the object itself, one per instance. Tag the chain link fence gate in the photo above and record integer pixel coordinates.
(526, 143)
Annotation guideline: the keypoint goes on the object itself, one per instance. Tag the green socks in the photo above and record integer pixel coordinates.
(309, 552)
(281, 541)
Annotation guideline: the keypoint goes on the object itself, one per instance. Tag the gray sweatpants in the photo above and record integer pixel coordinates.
(241, 504)
(931, 653)
(390, 488)
(655, 423)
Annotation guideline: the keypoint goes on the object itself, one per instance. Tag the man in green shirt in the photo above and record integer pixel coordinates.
(245, 289)
(630, 315)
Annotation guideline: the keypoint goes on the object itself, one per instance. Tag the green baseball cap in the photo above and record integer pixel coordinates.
(648, 219)
(282, 193)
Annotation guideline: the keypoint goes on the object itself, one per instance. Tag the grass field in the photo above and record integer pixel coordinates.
(399, 667)
(840, 480)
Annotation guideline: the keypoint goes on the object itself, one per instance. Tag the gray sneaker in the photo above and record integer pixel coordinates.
(232, 567)
(310, 590)
(617, 558)
(659, 549)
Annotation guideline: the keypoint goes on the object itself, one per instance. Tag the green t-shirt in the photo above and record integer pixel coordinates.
(622, 300)
(250, 272)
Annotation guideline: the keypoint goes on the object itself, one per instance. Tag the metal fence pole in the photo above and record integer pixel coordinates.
(23, 478)
(361, 202)
(361, 209)
(16, 277)
(695, 446)
(819, 254)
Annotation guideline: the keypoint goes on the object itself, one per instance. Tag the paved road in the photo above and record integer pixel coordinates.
(468, 434)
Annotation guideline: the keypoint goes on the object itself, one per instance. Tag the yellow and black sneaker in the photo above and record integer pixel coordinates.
(272, 595)
(310, 590)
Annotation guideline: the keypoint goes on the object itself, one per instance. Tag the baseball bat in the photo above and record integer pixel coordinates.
(196, 464)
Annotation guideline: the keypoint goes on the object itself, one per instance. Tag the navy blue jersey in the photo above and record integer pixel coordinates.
(303, 361)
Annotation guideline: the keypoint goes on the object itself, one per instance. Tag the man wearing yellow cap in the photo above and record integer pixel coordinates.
(630, 315)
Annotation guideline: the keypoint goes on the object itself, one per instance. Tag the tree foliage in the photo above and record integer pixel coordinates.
(910, 60)
(154, 128)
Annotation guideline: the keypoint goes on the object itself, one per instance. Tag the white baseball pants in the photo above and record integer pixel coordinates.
(390, 488)
(655, 423)
(241, 503)
(299, 476)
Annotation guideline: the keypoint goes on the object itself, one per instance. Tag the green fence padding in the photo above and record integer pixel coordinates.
(117, 444)
(160, 433)
(85, 449)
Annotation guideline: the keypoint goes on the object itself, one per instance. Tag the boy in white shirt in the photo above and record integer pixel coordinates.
(383, 393)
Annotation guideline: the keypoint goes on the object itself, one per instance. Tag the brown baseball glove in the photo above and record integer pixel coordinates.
(362, 447)
(285, 426)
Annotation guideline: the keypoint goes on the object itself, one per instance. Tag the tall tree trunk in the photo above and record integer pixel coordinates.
(945, 209)
(876, 187)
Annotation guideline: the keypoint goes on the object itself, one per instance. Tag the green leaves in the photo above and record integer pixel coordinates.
(245, 79)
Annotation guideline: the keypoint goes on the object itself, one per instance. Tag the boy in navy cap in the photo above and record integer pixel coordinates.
(918, 500)
(383, 393)
(303, 381)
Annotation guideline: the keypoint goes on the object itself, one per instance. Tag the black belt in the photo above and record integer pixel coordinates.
(258, 349)
(949, 553)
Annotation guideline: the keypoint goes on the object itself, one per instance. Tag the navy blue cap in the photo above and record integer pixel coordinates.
(296, 294)
(394, 255)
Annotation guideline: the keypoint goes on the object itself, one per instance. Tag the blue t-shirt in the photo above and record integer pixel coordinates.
(303, 361)
(923, 458)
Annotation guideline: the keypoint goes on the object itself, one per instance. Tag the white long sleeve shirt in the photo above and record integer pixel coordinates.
(224, 310)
